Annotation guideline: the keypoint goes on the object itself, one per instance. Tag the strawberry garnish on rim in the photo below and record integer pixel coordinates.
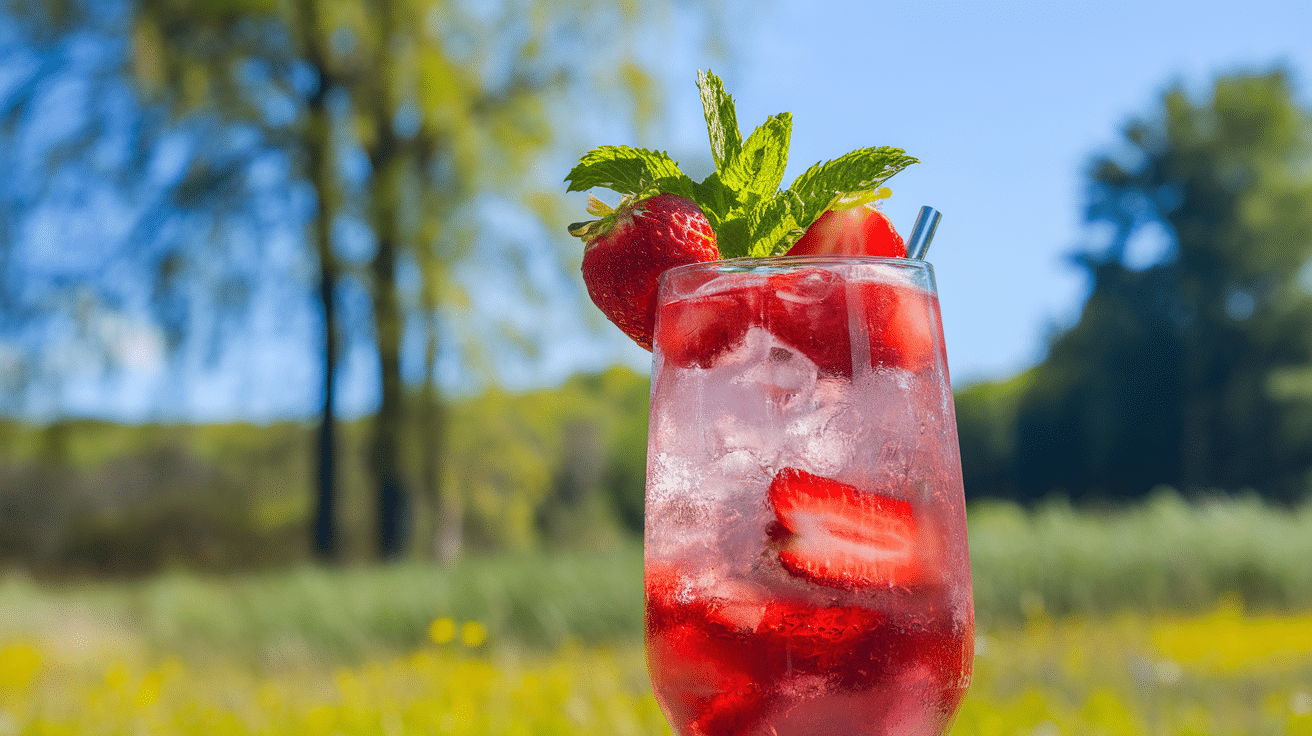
(630, 247)
(856, 231)
(841, 536)
(741, 202)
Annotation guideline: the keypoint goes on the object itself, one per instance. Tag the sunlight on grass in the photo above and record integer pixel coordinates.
(443, 689)
(1221, 673)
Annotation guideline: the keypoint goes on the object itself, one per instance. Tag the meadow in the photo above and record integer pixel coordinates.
(1168, 618)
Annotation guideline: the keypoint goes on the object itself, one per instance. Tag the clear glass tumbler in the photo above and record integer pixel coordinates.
(806, 561)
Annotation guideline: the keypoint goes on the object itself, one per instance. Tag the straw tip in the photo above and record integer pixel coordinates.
(922, 233)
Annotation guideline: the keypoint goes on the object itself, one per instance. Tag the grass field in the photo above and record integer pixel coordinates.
(1167, 619)
(1221, 673)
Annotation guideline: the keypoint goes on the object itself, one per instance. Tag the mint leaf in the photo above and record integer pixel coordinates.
(768, 228)
(716, 199)
(851, 174)
(774, 226)
(759, 168)
(721, 120)
(631, 171)
(733, 235)
(741, 199)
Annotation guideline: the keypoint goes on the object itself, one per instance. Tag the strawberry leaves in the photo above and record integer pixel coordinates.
(742, 199)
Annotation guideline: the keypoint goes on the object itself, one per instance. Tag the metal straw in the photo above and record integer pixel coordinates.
(923, 232)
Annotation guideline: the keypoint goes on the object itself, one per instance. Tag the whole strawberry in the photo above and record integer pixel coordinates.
(630, 247)
(855, 231)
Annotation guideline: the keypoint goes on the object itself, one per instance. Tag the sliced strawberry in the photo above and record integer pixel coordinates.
(726, 605)
(857, 231)
(819, 639)
(842, 536)
(901, 325)
(698, 675)
(807, 309)
(698, 651)
(734, 712)
(696, 330)
(679, 636)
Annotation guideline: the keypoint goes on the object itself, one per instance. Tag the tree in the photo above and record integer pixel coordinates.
(986, 433)
(93, 181)
(441, 105)
(1173, 373)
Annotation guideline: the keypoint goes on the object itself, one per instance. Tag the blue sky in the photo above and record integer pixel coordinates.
(1004, 103)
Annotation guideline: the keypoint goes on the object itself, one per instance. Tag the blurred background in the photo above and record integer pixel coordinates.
(307, 424)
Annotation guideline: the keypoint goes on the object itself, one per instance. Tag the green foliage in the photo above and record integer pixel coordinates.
(986, 433)
(721, 120)
(847, 177)
(1186, 372)
(533, 601)
(629, 171)
(756, 171)
(1166, 556)
(1163, 555)
(115, 499)
(553, 465)
(563, 467)
(443, 104)
(741, 198)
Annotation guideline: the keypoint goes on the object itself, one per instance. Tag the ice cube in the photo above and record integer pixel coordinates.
(784, 375)
(816, 706)
(737, 601)
(678, 521)
(892, 420)
(737, 476)
(823, 438)
(756, 393)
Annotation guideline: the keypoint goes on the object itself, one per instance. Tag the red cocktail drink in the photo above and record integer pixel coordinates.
(807, 570)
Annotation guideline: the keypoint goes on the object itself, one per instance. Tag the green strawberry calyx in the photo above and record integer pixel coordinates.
(742, 199)
(593, 229)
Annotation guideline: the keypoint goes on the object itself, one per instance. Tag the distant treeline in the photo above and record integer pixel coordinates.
(559, 468)
(1191, 368)
(555, 469)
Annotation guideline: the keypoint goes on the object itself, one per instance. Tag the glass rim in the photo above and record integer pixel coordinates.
(757, 263)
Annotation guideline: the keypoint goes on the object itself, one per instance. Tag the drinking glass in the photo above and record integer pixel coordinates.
(806, 563)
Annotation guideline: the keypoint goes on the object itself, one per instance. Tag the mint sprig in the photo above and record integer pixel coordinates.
(751, 216)
(721, 120)
(630, 171)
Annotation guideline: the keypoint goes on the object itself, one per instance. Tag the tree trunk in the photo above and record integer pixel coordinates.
(326, 545)
(318, 143)
(393, 500)
(388, 157)
(1196, 415)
